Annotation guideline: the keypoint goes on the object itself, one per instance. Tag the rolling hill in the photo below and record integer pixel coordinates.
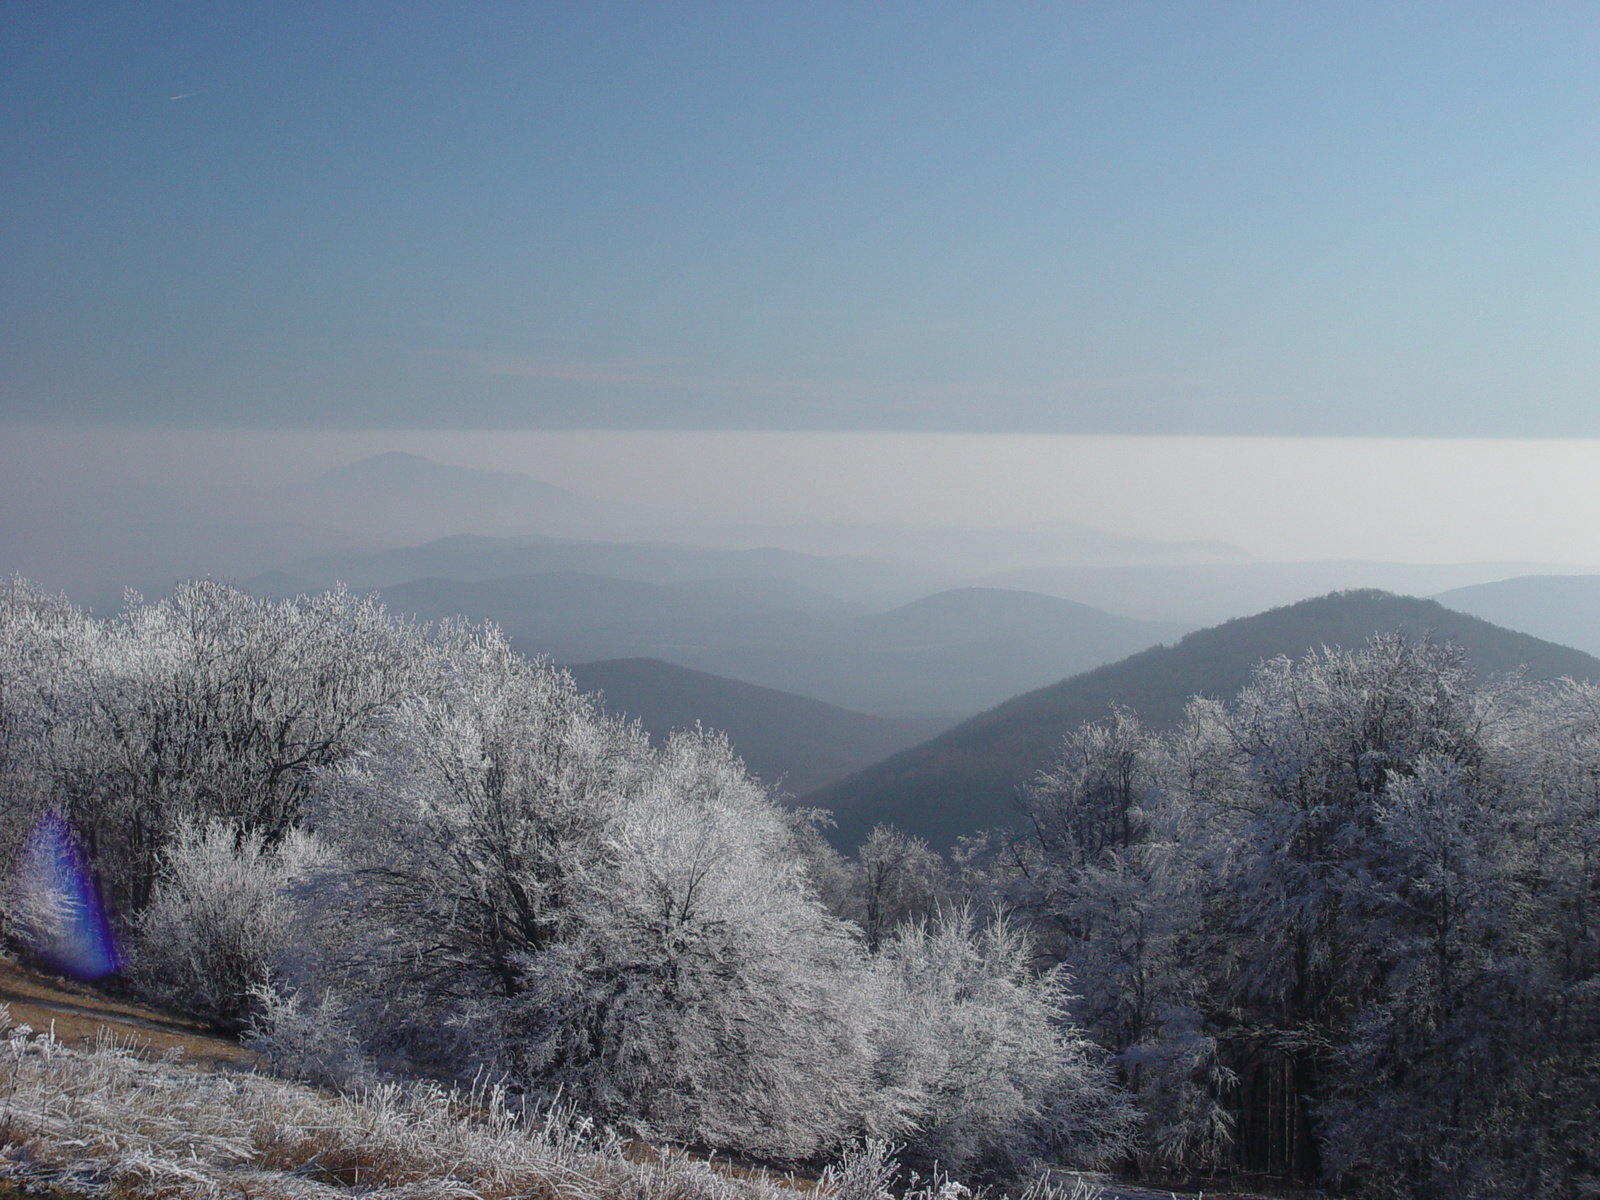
(1562, 608)
(473, 558)
(966, 778)
(1208, 593)
(945, 656)
(790, 741)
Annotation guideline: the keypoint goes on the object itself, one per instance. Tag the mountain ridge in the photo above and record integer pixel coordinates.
(943, 656)
(965, 779)
(1561, 608)
(791, 742)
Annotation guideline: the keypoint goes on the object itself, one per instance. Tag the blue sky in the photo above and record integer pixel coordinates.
(1285, 219)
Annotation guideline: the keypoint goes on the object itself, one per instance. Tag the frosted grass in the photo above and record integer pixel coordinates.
(107, 1121)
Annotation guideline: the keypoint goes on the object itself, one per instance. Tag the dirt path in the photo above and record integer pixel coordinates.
(80, 1015)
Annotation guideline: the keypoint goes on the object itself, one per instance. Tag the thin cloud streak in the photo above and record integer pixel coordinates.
(519, 367)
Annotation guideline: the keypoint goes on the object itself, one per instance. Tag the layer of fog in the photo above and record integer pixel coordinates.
(1189, 530)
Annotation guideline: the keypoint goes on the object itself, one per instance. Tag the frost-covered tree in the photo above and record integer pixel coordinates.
(1090, 798)
(472, 818)
(1083, 872)
(1473, 1069)
(209, 704)
(1293, 837)
(704, 993)
(1353, 940)
(628, 925)
(898, 878)
(40, 634)
(1105, 876)
(983, 1044)
(221, 917)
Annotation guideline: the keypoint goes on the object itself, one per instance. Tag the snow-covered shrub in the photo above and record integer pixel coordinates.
(471, 823)
(220, 916)
(866, 1170)
(209, 704)
(313, 1042)
(703, 993)
(983, 1042)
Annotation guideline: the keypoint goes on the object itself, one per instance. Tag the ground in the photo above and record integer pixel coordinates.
(80, 1014)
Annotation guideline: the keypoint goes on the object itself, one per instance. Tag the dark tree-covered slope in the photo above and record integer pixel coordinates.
(1563, 608)
(948, 655)
(966, 779)
(794, 742)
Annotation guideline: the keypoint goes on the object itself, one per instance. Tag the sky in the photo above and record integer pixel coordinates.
(1160, 219)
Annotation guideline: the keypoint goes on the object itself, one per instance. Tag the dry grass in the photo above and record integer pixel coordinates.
(80, 1016)
(101, 1098)
(104, 1121)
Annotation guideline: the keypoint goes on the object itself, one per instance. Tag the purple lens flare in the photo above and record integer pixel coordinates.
(58, 908)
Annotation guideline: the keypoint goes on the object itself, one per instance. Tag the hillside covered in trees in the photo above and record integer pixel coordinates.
(790, 742)
(1335, 928)
(968, 778)
(1342, 926)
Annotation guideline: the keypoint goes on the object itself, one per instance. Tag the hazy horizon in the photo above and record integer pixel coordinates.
(1276, 499)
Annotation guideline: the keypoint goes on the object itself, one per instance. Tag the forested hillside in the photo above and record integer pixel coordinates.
(790, 742)
(946, 655)
(1341, 927)
(967, 778)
